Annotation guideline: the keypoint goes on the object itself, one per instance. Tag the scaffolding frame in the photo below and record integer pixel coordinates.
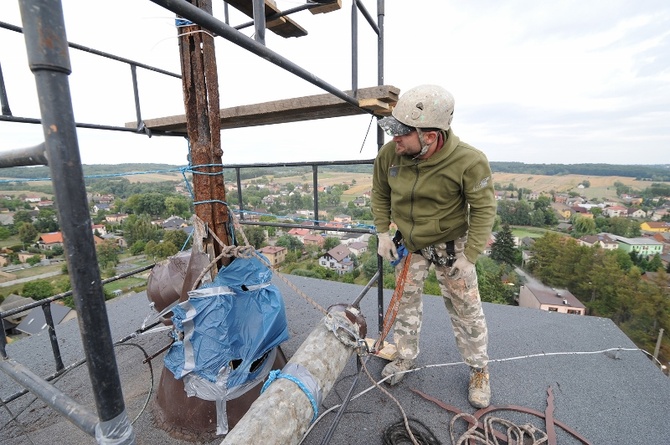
(48, 58)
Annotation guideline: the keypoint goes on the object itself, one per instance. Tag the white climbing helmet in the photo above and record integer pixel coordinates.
(424, 106)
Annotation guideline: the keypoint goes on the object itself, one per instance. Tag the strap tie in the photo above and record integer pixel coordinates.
(292, 369)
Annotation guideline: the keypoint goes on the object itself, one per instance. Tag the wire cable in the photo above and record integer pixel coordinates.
(396, 433)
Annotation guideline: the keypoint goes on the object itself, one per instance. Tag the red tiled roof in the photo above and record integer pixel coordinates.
(51, 238)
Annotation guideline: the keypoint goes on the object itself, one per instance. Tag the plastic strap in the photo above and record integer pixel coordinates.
(298, 369)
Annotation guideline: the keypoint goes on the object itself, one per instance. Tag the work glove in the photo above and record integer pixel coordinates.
(462, 267)
(385, 247)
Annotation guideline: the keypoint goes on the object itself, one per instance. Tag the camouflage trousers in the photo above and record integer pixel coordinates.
(461, 297)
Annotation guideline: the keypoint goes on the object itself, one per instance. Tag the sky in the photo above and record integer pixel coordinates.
(534, 81)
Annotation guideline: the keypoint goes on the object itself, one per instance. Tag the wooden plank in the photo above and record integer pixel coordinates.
(284, 26)
(379, 107)
(327, 7)
(379, 99)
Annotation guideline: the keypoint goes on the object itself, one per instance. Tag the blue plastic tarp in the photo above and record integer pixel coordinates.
(231, 322)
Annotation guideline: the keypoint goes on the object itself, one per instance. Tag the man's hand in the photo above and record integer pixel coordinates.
(385, 247)
(462, 267)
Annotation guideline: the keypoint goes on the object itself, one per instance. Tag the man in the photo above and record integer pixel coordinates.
(439, 193)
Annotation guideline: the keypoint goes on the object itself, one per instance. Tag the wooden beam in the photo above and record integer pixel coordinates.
(283, 26)
(379, 100)
(326, 7)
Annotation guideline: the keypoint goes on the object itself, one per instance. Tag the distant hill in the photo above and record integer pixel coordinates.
(167, 172)
(659, 172)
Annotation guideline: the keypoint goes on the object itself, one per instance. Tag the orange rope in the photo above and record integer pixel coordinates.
(394, 304)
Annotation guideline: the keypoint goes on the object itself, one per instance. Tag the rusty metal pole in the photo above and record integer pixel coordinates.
(201, 101)
(190, 417)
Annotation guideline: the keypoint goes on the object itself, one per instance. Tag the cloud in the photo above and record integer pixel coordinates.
(535, 82)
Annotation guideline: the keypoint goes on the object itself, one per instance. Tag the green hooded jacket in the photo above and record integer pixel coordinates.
(437, 199)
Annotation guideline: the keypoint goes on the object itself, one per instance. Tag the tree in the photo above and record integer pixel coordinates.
(160, 250)
(4, 233)
(542, 203)
(292, 244)
(150, 249)
(108, 254)
(255, 235)
(177, 205)
(176, 237)
(37, 289)
(655, 264)
(583, 226)
(46, 221)
(331, 242)
(503, 248)
(27, 233)
(492, 287)
(140, 228)
(22, 216)
(35, 259)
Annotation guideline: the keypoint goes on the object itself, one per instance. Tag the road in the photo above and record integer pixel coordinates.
(34, 277)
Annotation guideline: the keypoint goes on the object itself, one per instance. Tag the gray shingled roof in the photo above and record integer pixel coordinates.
(608, 395)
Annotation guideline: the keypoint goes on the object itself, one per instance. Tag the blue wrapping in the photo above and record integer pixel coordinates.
(239, 316)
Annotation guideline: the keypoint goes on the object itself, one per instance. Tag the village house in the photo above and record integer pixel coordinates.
(100, 206)
(636, 213)
(360, 201)
(32, 199)
(632, 200)
(655, 226)
(48, 241)
(561, 198)
(313, 240)
(25, 256)
(582, 211)
(602, 240)
(100, 228)
(350, 238)
(658, 214)
(342, 218)
(549, 299)
(575, 201)
(337, 259)
(116, 218)
(646, 247)
(174, 223)
(275, 254)
(615, 211)
(45, 204)
(663, 238)
(532, 196)
(358, 248)
(299, 233)
(119, 240)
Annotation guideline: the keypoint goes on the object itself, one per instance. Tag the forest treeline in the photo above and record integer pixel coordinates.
(654, 172)
(641, 172)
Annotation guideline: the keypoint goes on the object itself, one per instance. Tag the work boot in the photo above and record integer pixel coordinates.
(396, 366)
(479, 390)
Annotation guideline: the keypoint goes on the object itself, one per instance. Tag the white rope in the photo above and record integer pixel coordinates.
(501, 360)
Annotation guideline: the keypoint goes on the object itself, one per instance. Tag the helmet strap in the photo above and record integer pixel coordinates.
(424, 147)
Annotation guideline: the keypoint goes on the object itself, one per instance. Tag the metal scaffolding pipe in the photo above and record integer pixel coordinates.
(4, 101)
(48, 58)
(51, 396)
(207, 21)
(285, 408)
(20, 157)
